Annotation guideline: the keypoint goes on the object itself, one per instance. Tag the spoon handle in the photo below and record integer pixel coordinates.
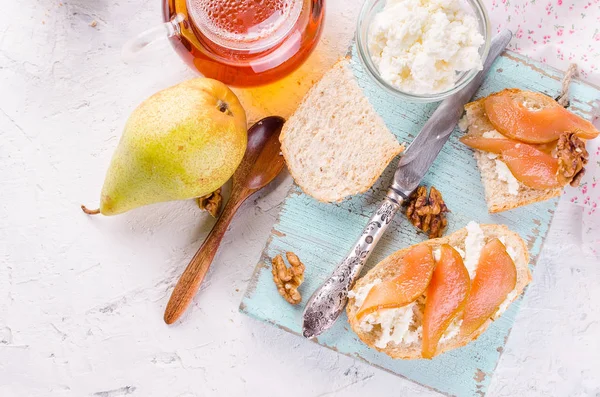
(192, 277)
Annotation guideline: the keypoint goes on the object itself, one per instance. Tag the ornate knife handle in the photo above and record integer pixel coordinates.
(328, 302)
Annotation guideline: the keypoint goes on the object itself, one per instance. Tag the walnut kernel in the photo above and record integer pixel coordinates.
(211, 202)
(427, 213)
(572, 157)
(288, 279)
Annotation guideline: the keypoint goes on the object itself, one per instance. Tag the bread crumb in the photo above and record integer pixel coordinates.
(93, 23)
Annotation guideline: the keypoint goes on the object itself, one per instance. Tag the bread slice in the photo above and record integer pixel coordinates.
(335, 144)
(497, 193)
(389, 268)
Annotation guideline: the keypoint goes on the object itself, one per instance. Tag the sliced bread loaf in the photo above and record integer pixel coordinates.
(335, 144)
(411, 345)
(502, 190)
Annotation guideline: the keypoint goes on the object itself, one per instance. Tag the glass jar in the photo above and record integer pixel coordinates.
(374, 7)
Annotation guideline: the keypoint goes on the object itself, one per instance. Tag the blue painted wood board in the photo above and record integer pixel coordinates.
(321, 234)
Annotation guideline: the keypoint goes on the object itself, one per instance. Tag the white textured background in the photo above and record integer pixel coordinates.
(82, 298)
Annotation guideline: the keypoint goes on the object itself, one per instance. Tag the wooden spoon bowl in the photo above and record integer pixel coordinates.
(262, 162)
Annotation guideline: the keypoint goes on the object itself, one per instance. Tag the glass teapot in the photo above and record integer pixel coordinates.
(239, 42)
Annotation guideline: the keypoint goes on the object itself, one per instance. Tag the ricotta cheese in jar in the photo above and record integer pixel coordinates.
(419, 46)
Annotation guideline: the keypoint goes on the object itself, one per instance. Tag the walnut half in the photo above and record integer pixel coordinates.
(288, 279)
(427, 213)
(211, 202)
(572, 157)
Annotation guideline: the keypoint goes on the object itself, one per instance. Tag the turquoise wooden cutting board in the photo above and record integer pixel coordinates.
(321, 234)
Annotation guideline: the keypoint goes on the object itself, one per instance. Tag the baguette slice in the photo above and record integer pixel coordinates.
(389, 268)
(497, 192)
(335, 144)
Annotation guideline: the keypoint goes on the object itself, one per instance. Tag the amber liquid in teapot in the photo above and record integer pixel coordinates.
(245, 42)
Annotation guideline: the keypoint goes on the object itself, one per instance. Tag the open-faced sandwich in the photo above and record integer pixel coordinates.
(440, 294)
(528, 147)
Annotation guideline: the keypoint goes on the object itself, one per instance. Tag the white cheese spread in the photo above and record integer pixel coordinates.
(532, 106)
(509, 298)
(452, 330)
(505, 175)
(460, 252)
(510, 250)
(395, 323)
(420, 45)
(463, 123)
(514, 254)
(493, 134)
(502, 169)
(361, 293)
(437, 254)
(473, 245)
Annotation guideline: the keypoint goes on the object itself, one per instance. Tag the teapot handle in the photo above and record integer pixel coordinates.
(138, 43)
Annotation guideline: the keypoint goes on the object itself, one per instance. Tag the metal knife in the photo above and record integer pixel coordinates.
(328, 302)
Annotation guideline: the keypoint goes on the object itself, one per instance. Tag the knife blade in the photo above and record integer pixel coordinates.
(425, 148)
(329, 300)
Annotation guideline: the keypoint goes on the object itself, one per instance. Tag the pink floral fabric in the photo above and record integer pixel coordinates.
(557, 32)
(560, 32)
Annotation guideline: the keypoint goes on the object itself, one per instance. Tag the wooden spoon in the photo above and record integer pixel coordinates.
(260, 165)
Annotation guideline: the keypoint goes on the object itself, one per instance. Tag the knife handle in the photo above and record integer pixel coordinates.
(328, 302)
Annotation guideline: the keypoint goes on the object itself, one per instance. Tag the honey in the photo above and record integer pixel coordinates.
(245, 42)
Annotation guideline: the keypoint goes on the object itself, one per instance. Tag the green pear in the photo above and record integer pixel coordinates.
(183, 142)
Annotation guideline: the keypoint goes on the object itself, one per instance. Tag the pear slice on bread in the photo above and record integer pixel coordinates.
(499, 194)
(335, 144)
(398, 331)
(527, 147)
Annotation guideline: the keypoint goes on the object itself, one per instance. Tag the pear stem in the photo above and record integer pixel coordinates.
(90, 212)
